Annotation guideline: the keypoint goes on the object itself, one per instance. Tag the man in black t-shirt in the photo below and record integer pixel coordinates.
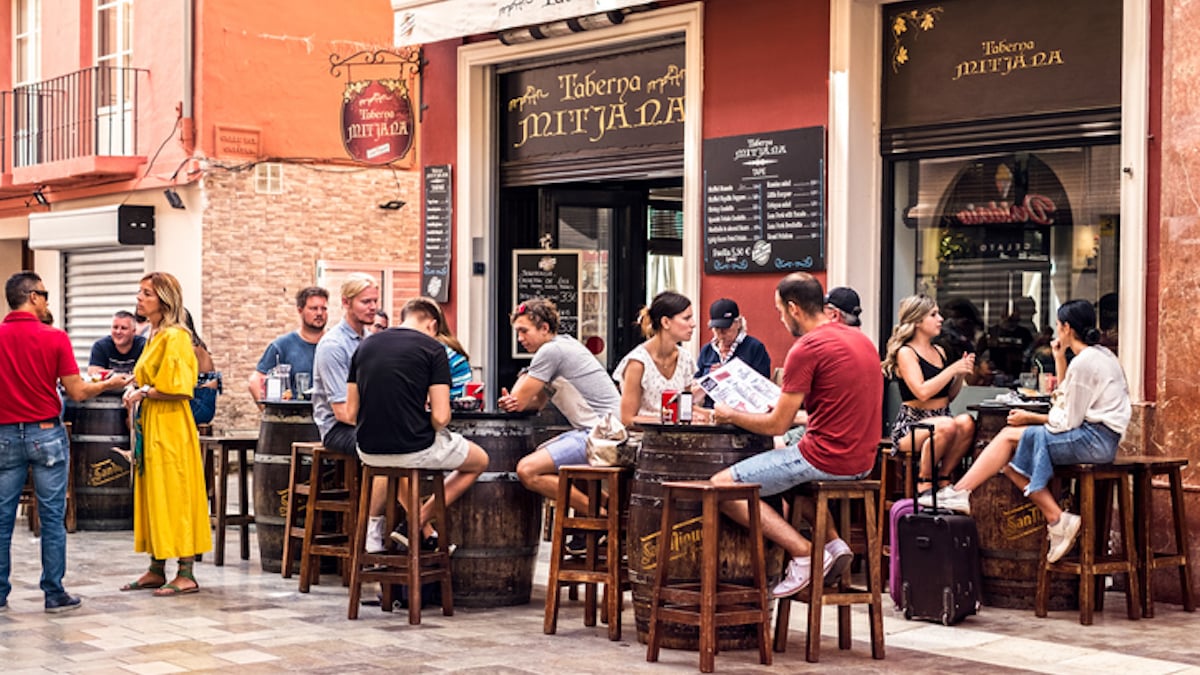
(392, 375)
(118, 351)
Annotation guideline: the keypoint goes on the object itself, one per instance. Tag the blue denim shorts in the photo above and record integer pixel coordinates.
(568, 448)
(780, 470)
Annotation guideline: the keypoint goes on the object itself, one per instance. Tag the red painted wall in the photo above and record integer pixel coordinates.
(439, 133)
(1153, 201)
(766, 68)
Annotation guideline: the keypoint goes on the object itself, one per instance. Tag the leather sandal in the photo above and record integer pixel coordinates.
(185, 571)
(157, 569)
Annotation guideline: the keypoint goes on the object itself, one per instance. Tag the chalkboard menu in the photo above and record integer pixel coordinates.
(435, 271)
(764, 202)
(552, 274)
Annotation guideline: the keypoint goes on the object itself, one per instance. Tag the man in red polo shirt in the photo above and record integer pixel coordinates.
(833, 370)
(34, 357)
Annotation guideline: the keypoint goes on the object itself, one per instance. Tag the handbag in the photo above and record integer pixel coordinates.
(608, 443)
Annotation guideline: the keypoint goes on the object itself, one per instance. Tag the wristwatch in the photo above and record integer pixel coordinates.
(145, 389)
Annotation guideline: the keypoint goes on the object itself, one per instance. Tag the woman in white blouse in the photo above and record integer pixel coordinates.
(1089, 413)
(659, 363)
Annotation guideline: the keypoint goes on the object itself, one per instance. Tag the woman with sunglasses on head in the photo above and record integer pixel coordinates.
(170, 509)
(927, 385)
(1089, 413)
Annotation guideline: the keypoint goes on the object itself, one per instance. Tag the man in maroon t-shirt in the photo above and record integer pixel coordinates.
(833, 371)
(34, 358)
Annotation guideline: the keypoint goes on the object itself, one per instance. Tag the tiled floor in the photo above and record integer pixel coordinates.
(246, 621)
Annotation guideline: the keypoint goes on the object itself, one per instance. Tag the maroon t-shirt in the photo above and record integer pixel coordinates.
(837, 369)
(33, 356)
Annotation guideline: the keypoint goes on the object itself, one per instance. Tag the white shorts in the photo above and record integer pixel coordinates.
(448, 452)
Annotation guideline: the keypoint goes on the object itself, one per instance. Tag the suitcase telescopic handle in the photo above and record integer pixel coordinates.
(917, 470)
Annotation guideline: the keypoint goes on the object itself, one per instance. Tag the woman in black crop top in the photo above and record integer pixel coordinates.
(927, 385)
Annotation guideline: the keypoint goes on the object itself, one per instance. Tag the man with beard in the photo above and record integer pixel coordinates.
(299, 347)
(833, 370)
(34, 358)
(118, 351)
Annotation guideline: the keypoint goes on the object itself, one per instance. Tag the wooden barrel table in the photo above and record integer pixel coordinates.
(103, 490)
(1011, 531)
(283, 423)
(688, 452)
(495, 524)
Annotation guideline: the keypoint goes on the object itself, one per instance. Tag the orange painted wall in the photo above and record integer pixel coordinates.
(265, 64)
(766, 68)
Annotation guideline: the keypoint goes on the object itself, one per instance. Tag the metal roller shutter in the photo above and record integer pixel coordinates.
(97, 283)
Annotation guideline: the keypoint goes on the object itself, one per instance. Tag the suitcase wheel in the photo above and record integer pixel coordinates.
(947, 606)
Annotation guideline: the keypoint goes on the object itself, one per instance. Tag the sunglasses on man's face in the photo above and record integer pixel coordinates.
(45, 294)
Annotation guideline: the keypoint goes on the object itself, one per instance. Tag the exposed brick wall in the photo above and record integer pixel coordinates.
(260, 249)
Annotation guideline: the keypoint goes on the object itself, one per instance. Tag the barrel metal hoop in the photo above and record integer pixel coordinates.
(516, 552)
(90, 438)
(272, 459)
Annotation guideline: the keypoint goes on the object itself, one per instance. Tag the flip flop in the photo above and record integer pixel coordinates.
(173, 590)
(136, 586)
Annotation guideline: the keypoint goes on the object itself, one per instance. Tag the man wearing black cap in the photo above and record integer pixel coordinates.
(843, 306)
(730, 340)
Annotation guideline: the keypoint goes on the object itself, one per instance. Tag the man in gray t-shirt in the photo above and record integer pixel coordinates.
(565, 372)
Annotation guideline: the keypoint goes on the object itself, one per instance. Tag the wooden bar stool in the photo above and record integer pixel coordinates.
(324, 491)
(412, 567)
(216, 449)
(846, 492)
(1144, 471)
(606, 487)
(892, 461)
(1093, 561)
(710, 603)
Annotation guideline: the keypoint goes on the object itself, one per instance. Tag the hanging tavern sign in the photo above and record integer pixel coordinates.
(378, 126)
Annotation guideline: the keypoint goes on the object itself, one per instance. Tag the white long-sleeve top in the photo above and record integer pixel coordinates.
(1094, 390)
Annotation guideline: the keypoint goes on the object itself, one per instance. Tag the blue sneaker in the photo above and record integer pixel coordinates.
(63, 603)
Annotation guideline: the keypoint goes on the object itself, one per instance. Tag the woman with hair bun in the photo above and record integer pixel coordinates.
(659, 363)
(1089, 413)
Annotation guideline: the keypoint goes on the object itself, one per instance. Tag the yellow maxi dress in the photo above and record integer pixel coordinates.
(170, 508)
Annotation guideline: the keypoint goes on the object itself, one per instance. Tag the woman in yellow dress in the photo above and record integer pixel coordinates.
(170, 510)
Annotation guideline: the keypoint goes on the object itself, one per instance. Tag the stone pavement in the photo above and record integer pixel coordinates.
(255, 622)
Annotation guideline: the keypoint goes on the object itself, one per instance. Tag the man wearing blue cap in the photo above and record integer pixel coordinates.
(729, 340)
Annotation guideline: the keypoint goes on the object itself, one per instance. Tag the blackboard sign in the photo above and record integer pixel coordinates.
(435, 271)
(764, 202)
(552, 274)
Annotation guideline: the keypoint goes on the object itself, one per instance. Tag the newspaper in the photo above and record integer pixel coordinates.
(740, 387)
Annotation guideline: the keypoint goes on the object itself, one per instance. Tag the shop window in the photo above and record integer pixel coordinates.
(1001, 240)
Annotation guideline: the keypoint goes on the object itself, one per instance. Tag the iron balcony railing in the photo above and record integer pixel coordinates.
(89, 112)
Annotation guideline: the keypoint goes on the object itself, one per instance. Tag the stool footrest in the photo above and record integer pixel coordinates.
(726, 593)
(722, 616)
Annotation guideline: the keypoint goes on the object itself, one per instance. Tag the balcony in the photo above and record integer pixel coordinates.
(71, 130)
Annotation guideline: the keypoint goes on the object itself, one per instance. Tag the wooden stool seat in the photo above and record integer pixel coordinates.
(865, 492)
(216, 460)
(1093, 562)
(710, 603)
(411, 567)
(1144, 471)
(606, 487)
(323, 492)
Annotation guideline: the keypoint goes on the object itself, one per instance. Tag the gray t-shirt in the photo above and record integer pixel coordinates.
(331, 366)
(578, 385)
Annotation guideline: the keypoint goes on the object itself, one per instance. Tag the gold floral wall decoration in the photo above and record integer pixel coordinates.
(922, 19)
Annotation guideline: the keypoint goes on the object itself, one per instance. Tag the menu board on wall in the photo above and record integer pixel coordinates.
(552, 274)
(764, 202)
(435, 269)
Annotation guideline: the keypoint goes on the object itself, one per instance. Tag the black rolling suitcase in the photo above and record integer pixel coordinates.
(939, 562)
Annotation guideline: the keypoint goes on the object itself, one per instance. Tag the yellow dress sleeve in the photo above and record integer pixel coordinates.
(178, 371)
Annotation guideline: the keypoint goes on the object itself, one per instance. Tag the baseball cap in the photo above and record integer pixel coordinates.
(846, 299)
(722, 313)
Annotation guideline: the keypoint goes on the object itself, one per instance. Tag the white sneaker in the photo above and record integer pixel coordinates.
(375, 528)
(1062, 535)
(838, 557)
(950, 499)
(799, 574)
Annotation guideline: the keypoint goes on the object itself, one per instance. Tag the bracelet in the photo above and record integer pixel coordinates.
(145, 389)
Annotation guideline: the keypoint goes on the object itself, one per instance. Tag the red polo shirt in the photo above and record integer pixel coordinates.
(32, 358)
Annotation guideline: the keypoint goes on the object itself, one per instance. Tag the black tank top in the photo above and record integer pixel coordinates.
(928, 371)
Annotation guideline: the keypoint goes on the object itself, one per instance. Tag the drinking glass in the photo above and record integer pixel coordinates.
(303, 381)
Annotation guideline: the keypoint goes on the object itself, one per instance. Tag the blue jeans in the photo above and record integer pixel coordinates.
(780, 470)
(43, 448)
(204, 404)
(1039, 450)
